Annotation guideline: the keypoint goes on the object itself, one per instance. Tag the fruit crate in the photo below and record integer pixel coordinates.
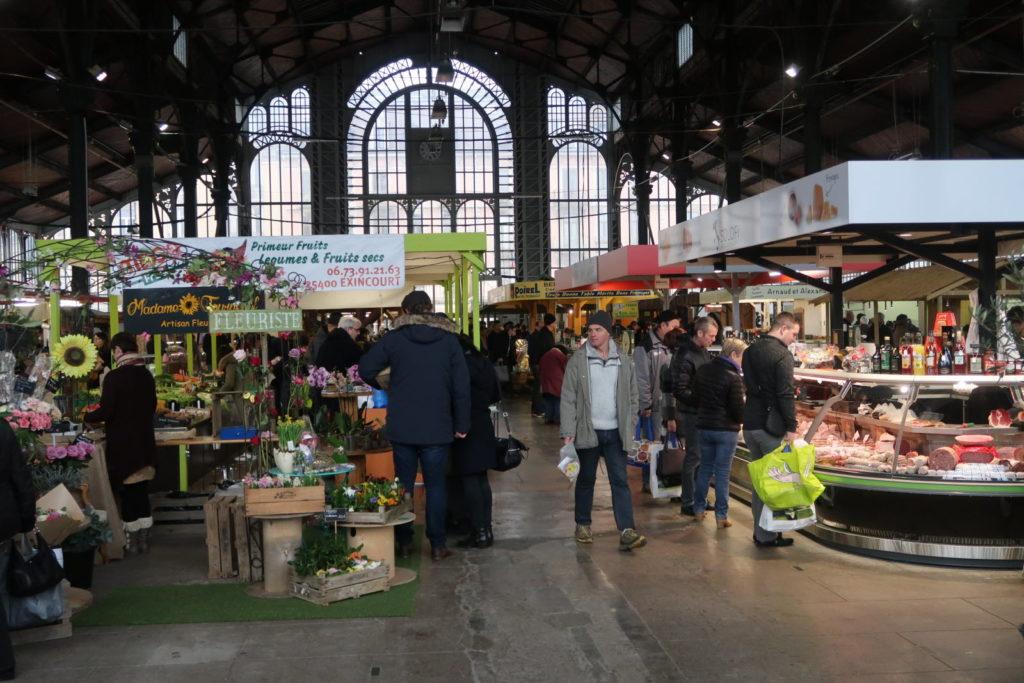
(292, 500)
(380, 516)
(325, 590)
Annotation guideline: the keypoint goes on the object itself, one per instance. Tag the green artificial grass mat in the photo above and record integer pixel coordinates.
(228, 602)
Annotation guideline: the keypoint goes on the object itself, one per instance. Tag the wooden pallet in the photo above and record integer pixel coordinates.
(39, 634)
(229, 552)
(341, 586)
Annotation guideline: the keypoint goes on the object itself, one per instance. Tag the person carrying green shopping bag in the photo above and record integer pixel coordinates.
(784, 481)
(769, 417)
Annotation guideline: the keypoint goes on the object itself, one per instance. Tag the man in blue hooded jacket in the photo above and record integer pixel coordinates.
(428, 405)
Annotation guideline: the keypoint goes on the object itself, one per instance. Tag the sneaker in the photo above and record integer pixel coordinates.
(688, 511)
(583, 534)
(631, 538)
(779, 542)
(699, 516)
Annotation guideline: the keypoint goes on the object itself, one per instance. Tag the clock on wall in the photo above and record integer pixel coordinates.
(430, 150)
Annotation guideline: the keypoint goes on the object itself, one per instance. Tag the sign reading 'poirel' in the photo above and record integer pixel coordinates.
(255, 321)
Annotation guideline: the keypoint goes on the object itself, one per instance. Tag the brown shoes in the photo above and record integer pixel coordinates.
(724, 523)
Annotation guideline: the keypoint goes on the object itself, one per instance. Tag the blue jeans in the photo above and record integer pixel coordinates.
(716, 451)
(434, 461)
(609, 445)
(552, 408)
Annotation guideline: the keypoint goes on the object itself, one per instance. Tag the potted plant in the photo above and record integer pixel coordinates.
(325, 570)
(375, 501)
(268, 496)
(80, 550)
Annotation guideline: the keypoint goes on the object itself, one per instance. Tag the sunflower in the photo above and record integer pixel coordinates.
(74, 355)
(189, 304)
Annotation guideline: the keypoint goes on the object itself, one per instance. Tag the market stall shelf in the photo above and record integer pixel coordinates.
(378, 541)
(910, 488)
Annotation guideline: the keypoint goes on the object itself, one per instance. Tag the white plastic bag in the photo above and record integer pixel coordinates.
(570, 462)
(792, 519)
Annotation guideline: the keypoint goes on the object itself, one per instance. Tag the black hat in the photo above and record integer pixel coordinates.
(600, 318)
(333, 318)
(548, 319)
(416, 299)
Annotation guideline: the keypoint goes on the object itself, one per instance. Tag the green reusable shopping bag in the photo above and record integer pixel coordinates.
(785, 478)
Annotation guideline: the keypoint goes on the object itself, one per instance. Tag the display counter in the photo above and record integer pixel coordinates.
(903, 479)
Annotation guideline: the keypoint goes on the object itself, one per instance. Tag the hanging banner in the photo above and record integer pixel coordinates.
(243, 321)
(172, 310)
(628, 310)
(318, 262)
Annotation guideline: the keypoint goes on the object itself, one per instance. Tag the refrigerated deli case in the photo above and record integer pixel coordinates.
(906, 476)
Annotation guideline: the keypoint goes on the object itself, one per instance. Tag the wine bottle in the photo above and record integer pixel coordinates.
(886, 360)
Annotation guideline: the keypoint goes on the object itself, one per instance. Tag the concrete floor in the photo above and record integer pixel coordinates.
(695, 604)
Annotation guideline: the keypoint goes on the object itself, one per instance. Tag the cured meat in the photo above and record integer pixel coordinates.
(943, 458)
(999, 418)
(1007, 452)
(974, 440)
(976, 454)
(1019, 453)
(1018, 467)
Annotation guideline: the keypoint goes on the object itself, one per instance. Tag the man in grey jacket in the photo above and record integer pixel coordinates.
(599, 408)
(649, 357)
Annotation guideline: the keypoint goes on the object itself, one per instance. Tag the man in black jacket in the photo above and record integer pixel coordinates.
(17, 515)
(540, 342)
(690, 356)
(770, 414)
(428, 405)
(340, 351)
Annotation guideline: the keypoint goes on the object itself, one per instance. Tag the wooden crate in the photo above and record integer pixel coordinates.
(294, 500)
(324, 591)
(381, 516)
(228, 530)
(38, 634)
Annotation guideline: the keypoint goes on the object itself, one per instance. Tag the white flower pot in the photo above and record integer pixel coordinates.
(285, 461)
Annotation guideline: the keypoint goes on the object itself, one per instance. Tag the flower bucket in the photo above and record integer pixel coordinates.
(285, 461)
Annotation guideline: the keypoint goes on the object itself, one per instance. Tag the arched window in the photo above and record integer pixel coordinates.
(256, 122)
(431, 217)
(662, 208)
(399, 150)
(300, 111)
(280, 188)
(577, 113)
(388, 218)
(556, 111)
(704, 203)
(278, 114)
(599, 118)
(578, 190)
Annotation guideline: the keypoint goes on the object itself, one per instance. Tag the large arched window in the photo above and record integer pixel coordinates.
(662, 208)
(704, 202)
(577, 179)
(206, 213)
(442, 149)
(279, 177)
(579, 204)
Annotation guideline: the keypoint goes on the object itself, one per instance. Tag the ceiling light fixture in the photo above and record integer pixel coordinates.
(162, 126)
(792, 70)
(439, 112)
(98, 72)
(666, 156)
(906, 234)
(205, 160)
(53, 73)
(445, 72)
(716, 122)
(453, 16)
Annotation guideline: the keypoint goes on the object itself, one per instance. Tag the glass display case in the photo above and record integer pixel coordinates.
(925, 468)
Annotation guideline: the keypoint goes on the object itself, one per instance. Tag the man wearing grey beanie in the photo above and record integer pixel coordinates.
(599, 411)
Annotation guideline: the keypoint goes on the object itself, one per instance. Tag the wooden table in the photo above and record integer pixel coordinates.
(378, 541)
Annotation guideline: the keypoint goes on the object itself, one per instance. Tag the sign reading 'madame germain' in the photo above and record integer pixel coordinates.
(255, 321)
(172, 310)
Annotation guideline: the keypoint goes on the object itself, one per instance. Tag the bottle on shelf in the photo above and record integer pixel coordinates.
(876, 360)
(988, 362)
(906, 357)
(946, 358)
(974, 363)
(917, 352)
(959, 356)
(886, 359)
(931, 356)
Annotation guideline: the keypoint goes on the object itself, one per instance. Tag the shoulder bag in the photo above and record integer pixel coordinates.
(510, 452)
(32, 570)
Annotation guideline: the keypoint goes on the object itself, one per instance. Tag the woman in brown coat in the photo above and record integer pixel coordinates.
(127, 407)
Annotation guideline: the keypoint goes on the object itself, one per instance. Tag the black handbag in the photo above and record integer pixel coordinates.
(510, 452)
(32, 570)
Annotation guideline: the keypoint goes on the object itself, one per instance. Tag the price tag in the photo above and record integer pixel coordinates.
(82, 438)
(53, 385)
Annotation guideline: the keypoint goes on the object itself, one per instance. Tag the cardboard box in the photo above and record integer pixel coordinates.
(56, 530)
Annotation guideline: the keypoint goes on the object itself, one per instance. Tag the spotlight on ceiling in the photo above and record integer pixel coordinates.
(445, 72)
(162, 126)
(716, 123)
(205, 160)
(666, 156)
(439, 112)
(53, 73)
(98, 72)
(792, 70)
